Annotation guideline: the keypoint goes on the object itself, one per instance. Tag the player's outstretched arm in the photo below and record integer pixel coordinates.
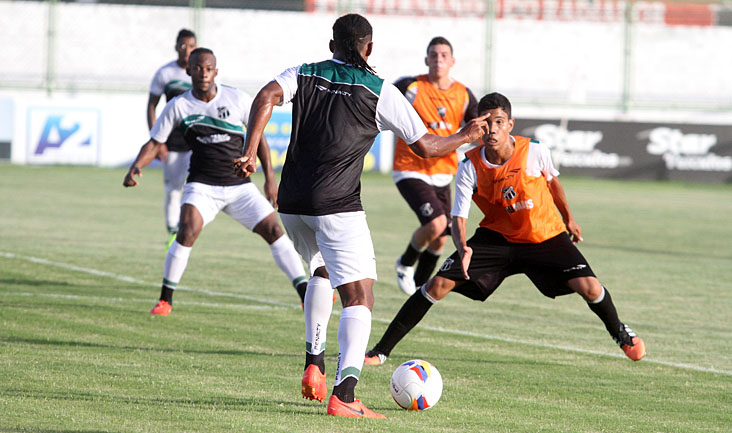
(430, 145)
(259, 115)
(459, 238)
(560, 200)
(148, 152)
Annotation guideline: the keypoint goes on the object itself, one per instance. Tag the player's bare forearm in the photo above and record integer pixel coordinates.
(259, 115)
(147, 153)
(459, 238)
(152, 103)
(562, 204)
(265, 158)
(459, 233)
(429, 145)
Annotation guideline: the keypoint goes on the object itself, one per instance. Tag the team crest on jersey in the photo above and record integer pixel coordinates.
(223, 112)
(447, 265)
(426, 209)
(508, 193)
(442, 111)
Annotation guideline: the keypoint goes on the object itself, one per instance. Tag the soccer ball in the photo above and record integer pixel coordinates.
(416, 385)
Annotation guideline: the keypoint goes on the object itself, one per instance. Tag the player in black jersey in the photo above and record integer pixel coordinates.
(211, 118)
(339, 106)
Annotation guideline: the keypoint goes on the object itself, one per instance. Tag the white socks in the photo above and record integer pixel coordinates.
(172, 209)
(175, 264)
(353, 338)
(287, 259)
(318, 306)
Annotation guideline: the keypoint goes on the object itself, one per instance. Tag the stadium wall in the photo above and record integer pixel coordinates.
(92, 100)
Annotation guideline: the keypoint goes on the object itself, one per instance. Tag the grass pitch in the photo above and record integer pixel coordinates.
(81, 262)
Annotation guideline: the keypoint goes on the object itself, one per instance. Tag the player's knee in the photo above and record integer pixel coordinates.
(321, 272)
(587, 287)
(269, 229)
(438, 288)
(187, 235)
(436, 227)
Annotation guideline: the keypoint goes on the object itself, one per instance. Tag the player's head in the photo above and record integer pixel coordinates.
(439, 58)
(352, 40)
(184, 44)
(202, 69)
(500, 122)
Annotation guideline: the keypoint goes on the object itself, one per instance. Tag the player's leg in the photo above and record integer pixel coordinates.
(199, 208)
(600, 302)
(436, 235)
(557, 267)
(488, 267)
(252, 210)
(317, 306)
(175, 170)
(411, 313)
(428, 207)
(344, 241)
(354, 329)
(283, 252)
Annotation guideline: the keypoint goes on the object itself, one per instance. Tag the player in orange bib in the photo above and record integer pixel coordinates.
(443, 104)
(527, 229)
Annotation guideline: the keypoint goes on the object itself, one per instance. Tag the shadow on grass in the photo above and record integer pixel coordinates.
(214, 402)
(35, 430)
(71, 343)
(668, 253)
(32, 283)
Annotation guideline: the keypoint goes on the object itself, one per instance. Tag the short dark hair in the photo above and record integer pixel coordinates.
(494, 100)
(439, 40)
(184, 33)
(350, 33)
(198, 51)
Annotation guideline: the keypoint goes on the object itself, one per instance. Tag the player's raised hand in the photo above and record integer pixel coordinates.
(476, 128)
(130, 177)
(245, 166)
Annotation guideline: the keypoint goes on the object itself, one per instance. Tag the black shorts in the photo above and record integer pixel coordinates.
(427, 201)
(549, 264)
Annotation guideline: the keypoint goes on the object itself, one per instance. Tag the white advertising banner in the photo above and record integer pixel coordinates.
(63, 135)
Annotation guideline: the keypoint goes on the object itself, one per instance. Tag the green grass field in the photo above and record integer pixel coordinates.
(81, 261)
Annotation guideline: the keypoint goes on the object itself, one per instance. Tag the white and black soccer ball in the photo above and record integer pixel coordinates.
(416, 385)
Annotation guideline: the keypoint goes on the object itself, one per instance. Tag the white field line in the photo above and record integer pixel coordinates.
(284, 305)
(107, 300)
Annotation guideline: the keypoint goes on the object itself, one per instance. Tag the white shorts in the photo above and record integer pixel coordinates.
(243, 202)
(175, 170)
(341, 242)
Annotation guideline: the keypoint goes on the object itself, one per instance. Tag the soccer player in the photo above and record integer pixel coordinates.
(211, 118)
(443, 104)
(171, 80)
(339, 106)
(527, 229)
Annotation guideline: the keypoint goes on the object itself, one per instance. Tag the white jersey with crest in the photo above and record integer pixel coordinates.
(213, 130)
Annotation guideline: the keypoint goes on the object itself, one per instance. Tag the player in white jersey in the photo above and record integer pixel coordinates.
(211, 117)
(171, 80)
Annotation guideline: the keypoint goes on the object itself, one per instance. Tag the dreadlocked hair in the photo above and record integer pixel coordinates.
(350, 33)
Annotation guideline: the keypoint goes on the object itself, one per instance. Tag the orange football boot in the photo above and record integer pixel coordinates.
(351, 410)
(162, 308)
(313, 384)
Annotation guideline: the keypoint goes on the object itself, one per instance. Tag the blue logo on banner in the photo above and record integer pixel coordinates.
(54, 135)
